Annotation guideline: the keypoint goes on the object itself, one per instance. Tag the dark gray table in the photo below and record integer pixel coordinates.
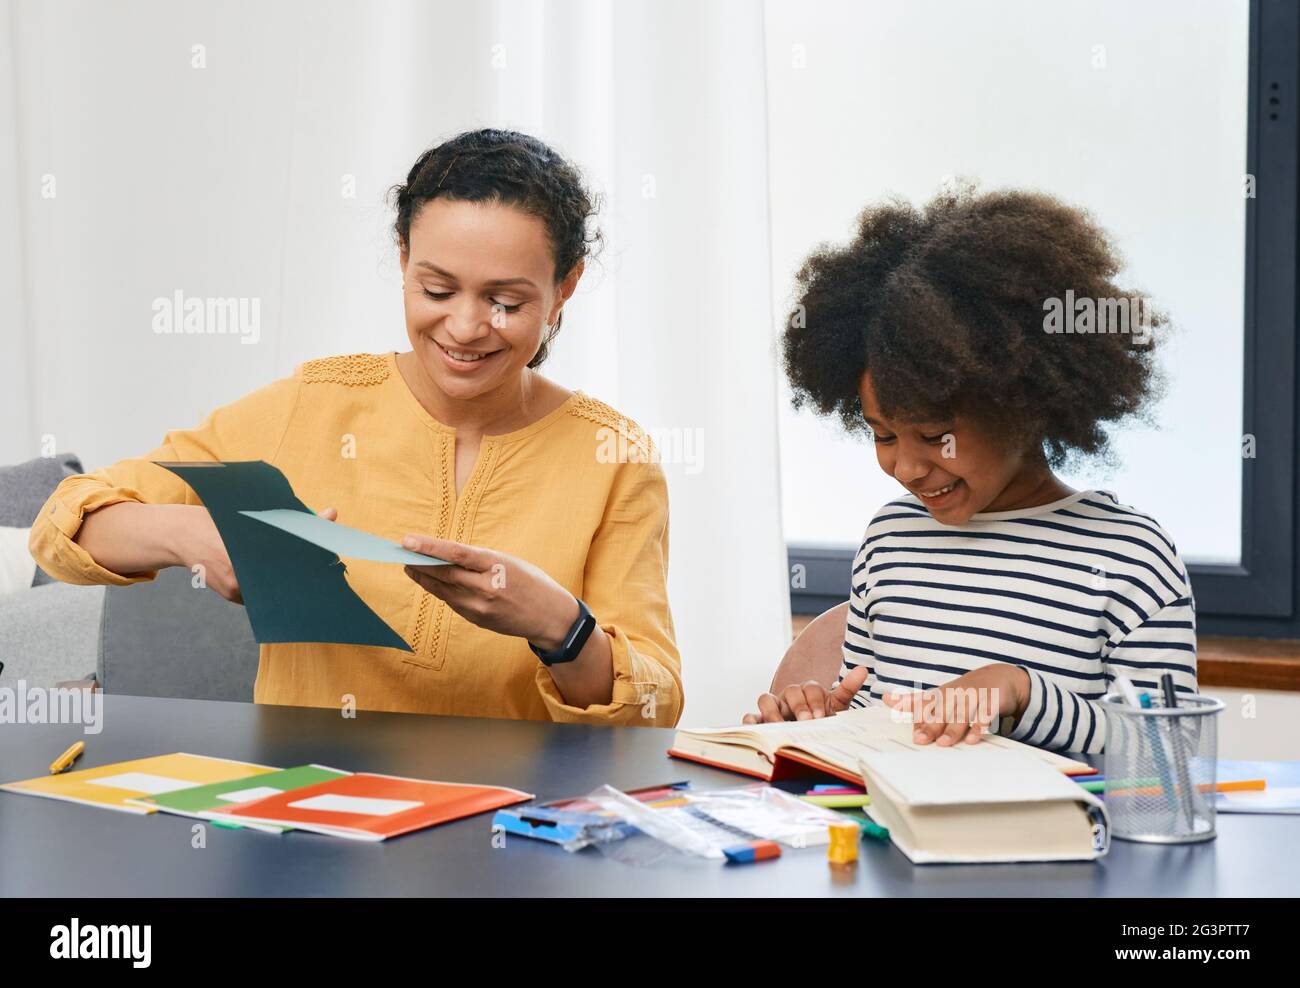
(51, 848)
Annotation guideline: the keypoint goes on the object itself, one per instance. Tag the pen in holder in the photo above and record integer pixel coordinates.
(1160, 769)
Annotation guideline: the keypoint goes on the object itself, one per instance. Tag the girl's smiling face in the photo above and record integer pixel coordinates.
(955, 467)
(479, 289)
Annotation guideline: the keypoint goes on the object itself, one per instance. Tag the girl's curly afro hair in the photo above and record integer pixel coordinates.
(945, 307)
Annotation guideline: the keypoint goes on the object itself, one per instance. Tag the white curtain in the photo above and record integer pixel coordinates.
(243, 150)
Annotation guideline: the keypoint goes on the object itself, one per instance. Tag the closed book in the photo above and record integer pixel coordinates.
(987, 806)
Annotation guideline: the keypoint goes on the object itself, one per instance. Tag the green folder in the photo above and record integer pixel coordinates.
(293, 590)
(200, 801)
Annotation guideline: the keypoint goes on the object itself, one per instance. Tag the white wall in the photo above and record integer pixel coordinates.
(1258, 724)
(893, 96)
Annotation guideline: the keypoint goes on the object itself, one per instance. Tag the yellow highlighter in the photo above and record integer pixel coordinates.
(65, 760)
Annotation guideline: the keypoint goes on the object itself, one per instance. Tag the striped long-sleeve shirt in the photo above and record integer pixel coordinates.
(1073, 592)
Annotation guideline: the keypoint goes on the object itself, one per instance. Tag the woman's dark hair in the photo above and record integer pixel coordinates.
(513, 169)
(945, 307)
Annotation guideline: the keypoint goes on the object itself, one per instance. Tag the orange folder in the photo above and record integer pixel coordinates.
(372, 807)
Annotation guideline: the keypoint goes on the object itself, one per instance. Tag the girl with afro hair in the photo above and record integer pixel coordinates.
(980, 342)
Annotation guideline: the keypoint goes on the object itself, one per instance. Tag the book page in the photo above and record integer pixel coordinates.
(842, 739)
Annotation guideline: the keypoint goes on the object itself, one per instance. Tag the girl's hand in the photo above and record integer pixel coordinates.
(198, 543)
(809, 700)
(966, 708)
(496, 591)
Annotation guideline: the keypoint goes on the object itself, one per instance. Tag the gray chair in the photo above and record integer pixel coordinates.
(50, 634)
(167, 638)
(48, 631)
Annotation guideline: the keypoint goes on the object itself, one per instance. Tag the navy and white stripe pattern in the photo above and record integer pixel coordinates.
(1074, 592)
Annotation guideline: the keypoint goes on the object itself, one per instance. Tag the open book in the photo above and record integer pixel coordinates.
(831, 745)
(986, 806)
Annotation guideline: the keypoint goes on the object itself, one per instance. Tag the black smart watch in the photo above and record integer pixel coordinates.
(576, 638)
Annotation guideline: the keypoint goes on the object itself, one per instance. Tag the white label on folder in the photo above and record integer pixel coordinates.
(334, 803)
(246, 795)
(152, 785)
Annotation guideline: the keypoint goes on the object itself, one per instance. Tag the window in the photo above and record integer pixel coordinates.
(1175, 124)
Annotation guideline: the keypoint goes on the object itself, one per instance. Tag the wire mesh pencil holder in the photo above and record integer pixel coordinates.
(1160, 769)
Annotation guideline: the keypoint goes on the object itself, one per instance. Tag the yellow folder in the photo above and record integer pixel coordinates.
(113, 786)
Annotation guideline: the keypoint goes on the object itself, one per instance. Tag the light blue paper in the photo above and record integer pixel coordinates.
(340, 539)
(1282, 794)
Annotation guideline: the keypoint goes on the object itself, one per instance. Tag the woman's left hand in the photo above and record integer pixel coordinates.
(966, 708)
(496, 591)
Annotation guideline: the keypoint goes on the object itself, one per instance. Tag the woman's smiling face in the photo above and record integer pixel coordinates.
(479, 291)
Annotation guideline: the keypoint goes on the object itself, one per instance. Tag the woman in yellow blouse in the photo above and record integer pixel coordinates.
(460, 447)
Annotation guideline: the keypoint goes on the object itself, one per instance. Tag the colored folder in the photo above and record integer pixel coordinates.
(372, 807)
(202, 801)
(117, 786)
(293, 589)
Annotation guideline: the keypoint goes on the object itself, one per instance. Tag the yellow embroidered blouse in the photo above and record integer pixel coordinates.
(348, 433)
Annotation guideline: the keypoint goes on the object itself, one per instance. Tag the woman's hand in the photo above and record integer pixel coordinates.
(496, 591)
(809, 700)
(966, 708)
(198, 543)
(512, 597)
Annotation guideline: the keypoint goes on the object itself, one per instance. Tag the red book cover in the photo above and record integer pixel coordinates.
(788, 766)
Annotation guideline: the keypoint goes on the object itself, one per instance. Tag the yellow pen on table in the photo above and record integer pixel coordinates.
(65, 760)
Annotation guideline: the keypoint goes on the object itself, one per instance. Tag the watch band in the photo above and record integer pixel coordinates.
(574, 641)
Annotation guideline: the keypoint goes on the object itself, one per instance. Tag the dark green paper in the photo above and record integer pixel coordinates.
(293, 591)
